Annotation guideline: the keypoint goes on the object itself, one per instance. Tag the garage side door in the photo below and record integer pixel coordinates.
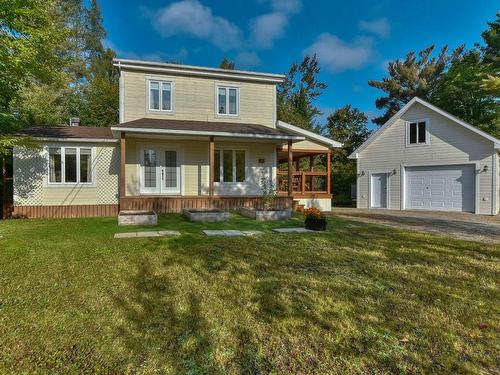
(443, 188)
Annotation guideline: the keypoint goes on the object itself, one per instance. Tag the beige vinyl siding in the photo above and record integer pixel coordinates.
(307, 145)
(450, 143)
(31, 175)
(194, 98)
(194, 165)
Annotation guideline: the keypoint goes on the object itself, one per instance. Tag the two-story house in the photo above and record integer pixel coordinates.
(188, 137)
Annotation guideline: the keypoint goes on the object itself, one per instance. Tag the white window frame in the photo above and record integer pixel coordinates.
(221, 165)
(160, 84)
(217, 106)
(63, 166)
(427, 135)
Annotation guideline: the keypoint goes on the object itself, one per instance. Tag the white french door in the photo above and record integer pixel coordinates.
(160, 171)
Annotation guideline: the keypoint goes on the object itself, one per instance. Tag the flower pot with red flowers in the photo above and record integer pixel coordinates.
(315, 220)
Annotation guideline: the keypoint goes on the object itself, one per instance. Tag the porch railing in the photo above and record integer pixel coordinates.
(304, 182)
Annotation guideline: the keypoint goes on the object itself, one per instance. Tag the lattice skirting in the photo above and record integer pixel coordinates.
(88, 210)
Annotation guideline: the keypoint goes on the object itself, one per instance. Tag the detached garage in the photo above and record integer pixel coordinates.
(423, 158)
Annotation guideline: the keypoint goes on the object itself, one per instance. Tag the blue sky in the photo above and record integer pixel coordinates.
(353, 39)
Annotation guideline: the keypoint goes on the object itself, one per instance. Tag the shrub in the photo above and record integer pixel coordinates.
(313, 213)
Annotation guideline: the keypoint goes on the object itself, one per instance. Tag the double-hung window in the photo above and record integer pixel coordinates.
(227, 101)
(70, 165)
(417, 133)
(160, 95)
(229, 166)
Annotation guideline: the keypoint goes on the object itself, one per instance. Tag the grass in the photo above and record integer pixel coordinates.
(356, 299)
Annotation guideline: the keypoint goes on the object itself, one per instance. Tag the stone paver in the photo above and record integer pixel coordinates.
(293, 230)
(231, 233)
(160, 233)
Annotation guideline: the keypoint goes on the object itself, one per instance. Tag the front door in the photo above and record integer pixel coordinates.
(379, 190)
(160, 171)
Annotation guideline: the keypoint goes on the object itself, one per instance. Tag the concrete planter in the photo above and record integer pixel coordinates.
(210, 216)
(137, 218)
(261, 215)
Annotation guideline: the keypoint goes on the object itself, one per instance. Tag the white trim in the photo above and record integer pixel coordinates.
(392, 120)
(227, 88)
(494, 193)
(427, 133)
(93, 140)
(197, 70)
(206, 133)
(309, 134)
(121, 85)
(63, 183)
(476, 165)
(160, 96)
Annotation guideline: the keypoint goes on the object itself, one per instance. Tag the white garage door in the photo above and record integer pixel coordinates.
(444, 188)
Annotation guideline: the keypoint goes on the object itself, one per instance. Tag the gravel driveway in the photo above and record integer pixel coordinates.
(459, 225)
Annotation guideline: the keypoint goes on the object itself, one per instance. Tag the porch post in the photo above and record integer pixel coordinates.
(211, 157)
(290, 163)
(122, 165)
(329, 171)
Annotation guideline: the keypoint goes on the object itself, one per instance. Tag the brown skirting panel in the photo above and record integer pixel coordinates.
(89, 210)
(177, 204)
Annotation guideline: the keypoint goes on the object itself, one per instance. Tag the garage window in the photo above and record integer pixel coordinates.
(416, 132)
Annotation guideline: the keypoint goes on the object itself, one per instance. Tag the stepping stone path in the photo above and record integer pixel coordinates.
(293, 230)
(160, 233)
(231, 233)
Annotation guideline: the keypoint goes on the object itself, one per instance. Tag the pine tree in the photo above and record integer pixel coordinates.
(298, 92)
(416, 75)
(226, 64)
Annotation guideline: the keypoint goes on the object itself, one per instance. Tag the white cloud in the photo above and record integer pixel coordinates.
(336, 55)
(378, 27)
(269, 27)
(193, 18)
(266, 29)
(247, 60)
(286, 6)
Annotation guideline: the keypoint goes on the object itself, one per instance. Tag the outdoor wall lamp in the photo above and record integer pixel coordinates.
(394, 171)
(362, 173)
(485, 169)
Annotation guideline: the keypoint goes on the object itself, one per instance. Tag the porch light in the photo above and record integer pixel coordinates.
(394, 171)
(485, 169)
(362, 173)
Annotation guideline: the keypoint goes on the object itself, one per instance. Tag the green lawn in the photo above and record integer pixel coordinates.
(356, 299)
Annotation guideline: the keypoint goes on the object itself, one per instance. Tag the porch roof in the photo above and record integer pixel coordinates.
(205, 128)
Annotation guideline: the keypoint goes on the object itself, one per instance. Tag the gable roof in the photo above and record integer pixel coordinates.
(309, 134)
(403, 110)
(204, 128)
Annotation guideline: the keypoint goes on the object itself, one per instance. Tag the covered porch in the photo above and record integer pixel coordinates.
(310, 172)
(167, 169)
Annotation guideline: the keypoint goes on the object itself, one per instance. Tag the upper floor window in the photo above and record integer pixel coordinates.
(70, 165)
(227, 101)
(417, 133)
(160, 95)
